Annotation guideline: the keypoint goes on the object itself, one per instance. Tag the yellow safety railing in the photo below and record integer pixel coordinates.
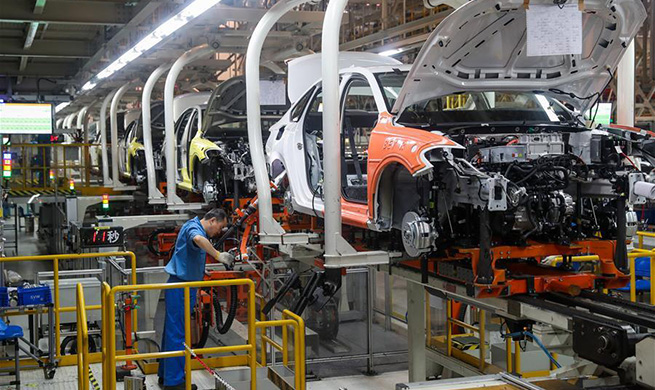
(288, 319)
(514, 361)
(480, 330)
(32, 164)
(110, 356)
(635, 253)
(110, 317)
(82, 342)
(641, 236)
(57, 308)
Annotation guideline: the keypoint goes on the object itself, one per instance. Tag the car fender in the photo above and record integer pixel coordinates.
(199, 148)
(393, 144)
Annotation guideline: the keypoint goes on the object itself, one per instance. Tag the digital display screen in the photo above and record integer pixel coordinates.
(101, 236)
(26, 118)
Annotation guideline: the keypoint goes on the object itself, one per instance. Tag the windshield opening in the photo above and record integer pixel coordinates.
(486, 107)
(391, 83)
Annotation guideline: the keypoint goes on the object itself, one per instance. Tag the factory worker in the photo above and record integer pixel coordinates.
(187, 265)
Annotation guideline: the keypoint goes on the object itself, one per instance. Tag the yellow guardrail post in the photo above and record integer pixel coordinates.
(633, 279)
(105, 332)
(517, 358)
(80, 363)
(82, 341)
(299, 348)
(481, 333)
(508, 353)
(449, 327)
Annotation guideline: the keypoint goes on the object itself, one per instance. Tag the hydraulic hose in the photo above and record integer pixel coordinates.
(224, 327)
(153, 237)
(536, 340)
(230, 231)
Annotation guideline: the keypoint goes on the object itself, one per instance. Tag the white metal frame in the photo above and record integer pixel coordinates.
(154, 195)
(625, 88)
(172, 200)
(113, 121)
(270, 231)
(103, 139)
(338, 252)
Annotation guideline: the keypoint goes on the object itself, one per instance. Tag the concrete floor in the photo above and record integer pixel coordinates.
(66, 379)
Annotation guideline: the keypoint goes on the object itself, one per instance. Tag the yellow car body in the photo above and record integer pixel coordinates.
(192, 147)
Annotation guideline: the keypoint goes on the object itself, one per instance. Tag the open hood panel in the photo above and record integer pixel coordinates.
(481, 46)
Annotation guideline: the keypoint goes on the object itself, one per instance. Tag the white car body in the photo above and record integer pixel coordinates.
(286, 144)
(481, 46)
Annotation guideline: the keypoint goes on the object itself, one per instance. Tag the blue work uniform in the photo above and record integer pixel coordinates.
(186, 265)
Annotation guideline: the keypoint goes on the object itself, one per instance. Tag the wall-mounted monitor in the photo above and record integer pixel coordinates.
(26, 118)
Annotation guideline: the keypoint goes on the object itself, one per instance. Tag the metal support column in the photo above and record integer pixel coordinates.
(625, 88)
(416, 332)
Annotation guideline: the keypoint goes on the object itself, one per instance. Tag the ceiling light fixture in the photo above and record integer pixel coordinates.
(61, 106)
(190, 12)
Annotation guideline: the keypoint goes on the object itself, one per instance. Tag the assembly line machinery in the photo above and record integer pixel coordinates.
(608, 335)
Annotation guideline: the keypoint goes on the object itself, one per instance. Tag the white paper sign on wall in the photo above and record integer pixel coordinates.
(552, 30)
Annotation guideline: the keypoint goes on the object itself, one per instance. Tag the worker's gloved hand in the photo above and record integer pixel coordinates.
(226, 258)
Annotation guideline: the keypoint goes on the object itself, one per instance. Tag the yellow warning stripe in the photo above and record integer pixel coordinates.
(19, 193)
(92, 379)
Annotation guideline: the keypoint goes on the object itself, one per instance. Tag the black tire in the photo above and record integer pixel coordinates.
(69, 346)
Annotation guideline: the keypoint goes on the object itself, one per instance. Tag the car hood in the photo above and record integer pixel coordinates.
(481, 46)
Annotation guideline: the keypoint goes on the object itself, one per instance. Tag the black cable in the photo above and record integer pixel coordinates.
(224, 327)
(153, 236)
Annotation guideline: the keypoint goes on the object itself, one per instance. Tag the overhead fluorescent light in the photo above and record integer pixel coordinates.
(61, 106)
(89, 85)
(392, 52)
(190, 12)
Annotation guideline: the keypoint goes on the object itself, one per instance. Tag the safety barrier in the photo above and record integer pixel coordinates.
(69, 359)
(513, 359)
(641, 235)
(634, 254)
(480, 330)
(33, 164)
(46, 166)
(288, 319)
(82, 341)
(110, 356)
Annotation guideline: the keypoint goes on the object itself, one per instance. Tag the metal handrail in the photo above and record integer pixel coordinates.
(26, 169)
(480, 330)
(110, 356)
(633, 275)
(641, 235)
(109, 303)
(55, 265)
(82, 342)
